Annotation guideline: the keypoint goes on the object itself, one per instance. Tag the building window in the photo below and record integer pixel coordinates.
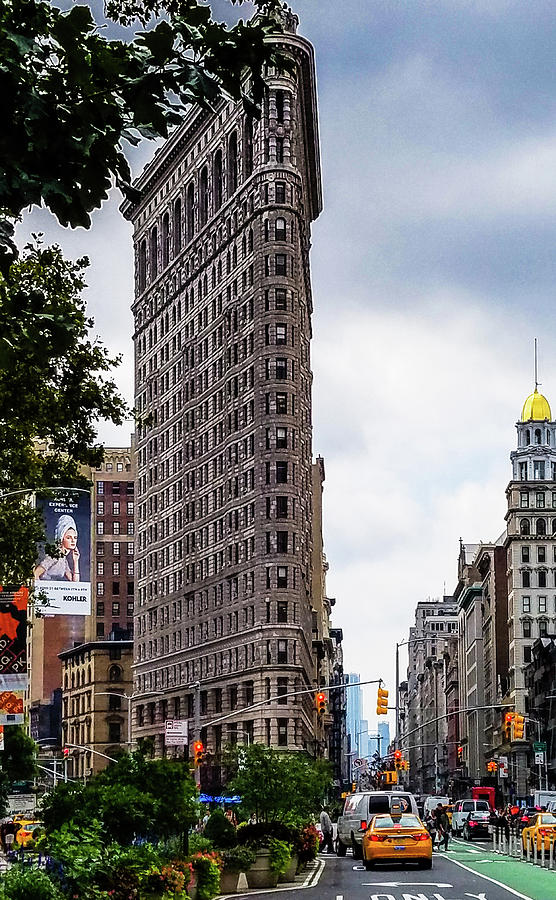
(527, 654)
(281, 334)
(524, 499)
(100, 608)
(154, 257)
(130, 589)
(100, 567)
(282, 732)
(177, 226)
(526, 604)
(540, 499)
(281, 507)
(282, 657)
(131, 527)
(100, 629)
(524, 526)
(281, 690)
(542, 604)
(100, 507)
(116, 568)
(100, 527)
(116, 608)
(115, 527)
(130, 507)
(538, 470)
(116, 588)
(525, 579)
(281, 299)
(281, 472)
(281, 541)
(282, 612)
(542, 579)
(114, 732)
(523, 471)
(282, 577)
(281, 368)
(280, 192)
(525, 554)
(130, 569)
(527, 628)
(116, 508)
(232, 163)
(100, 548)
(541, 554)
(130, 608)
(281, 438)
(543, 628)
(203, 197)
(116, 548)
(541, 526)
(281, 404)
(280, 229)
(280, 265)
(100, 588)
(115, 673)
(114, 703)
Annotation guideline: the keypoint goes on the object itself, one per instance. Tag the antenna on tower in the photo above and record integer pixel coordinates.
(537, 382)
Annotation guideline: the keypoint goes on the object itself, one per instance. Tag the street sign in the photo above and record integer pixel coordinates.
(539, 746)
(539, 757)
(357, 762)
(176, 732)
(503, 766)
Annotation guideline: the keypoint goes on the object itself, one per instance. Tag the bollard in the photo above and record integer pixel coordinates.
(527, 851)
(551, 853)
(542, 852)
(535, 854)
(495, 839)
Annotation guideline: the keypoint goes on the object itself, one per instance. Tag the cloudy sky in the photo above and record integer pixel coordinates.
(433, 270)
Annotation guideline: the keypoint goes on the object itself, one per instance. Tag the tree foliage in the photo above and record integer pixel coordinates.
(278, 786)
(134, 796)
(54, 389)
(71, 95)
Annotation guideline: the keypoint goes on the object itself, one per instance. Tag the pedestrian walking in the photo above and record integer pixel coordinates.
(443, 826)
(326, 828)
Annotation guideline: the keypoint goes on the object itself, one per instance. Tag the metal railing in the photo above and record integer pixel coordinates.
(538, 851)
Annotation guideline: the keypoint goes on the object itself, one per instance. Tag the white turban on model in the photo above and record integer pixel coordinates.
(63, 524)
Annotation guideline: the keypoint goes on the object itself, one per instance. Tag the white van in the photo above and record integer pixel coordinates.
(360, 808)
(431, 803)
(462, 809)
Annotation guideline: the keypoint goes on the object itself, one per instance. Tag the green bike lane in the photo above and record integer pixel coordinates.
(520, 878)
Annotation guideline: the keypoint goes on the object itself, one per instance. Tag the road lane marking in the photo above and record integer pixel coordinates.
(403, 883)
(488, 878)
(464, 845)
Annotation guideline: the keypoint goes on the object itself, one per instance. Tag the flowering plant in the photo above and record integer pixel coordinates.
(166, 880)
(308, 846)
(208, 867)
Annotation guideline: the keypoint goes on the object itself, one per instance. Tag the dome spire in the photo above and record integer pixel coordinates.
(536, 368)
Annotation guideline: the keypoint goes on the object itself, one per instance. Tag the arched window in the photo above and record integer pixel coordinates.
(524, 527)
(553, 526)
(541, 526)
(217, 179)
(203, 196)
(248, 137)
(542, 578)
(538, 437)
(232, 164)
(280, 229)
(89, 678)
(142, 266)
(190, 214)
(115, 673)
(177, 226)
(154, 252)
(165, 240)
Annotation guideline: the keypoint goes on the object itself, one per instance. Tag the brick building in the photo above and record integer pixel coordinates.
(223, 382)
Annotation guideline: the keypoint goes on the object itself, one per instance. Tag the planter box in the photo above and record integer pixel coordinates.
(260, 874)
(289, 874)
(229, 882)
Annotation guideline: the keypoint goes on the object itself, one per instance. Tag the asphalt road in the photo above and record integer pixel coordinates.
(466, 872)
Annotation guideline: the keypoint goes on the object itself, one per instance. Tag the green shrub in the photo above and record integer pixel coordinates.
(238, 859)
(280, 855)
(198, 843)
(24, 883)
(208, 867)
(260, 833)
(220, 830)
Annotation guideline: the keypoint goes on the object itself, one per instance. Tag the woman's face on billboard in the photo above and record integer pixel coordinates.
(69, 540)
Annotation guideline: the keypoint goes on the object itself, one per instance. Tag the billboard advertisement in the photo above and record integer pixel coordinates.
(13, 654)
(63, 569)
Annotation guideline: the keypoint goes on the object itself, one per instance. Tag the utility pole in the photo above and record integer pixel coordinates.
(197, 726)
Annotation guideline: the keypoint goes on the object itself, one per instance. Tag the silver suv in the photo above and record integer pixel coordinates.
(359, 810)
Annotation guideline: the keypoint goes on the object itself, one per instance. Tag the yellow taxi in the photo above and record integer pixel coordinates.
(28, 830)
(540, 830)
(397, 838)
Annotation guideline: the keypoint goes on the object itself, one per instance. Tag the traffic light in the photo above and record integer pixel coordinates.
(492, 766)
(198, 752)
(320, 703)
(391, 777)
(508, 719)
(382, 702)
(518, 724)
(460, 755)
(405, 765)
(398, 759)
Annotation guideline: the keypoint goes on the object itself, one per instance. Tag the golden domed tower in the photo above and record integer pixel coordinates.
(531, 552)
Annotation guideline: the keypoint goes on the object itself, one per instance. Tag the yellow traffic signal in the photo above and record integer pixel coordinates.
(405, 765)
(320, 703)
(492, 765)
(518, 724)
(382, 702)
(391, 777)
(198, 752)
(508, 718)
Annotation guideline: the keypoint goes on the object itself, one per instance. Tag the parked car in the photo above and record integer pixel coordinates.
(28, 831)
(358, 811)
(476, 824)
(540, 830)
(462, 809)
(391, 838)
